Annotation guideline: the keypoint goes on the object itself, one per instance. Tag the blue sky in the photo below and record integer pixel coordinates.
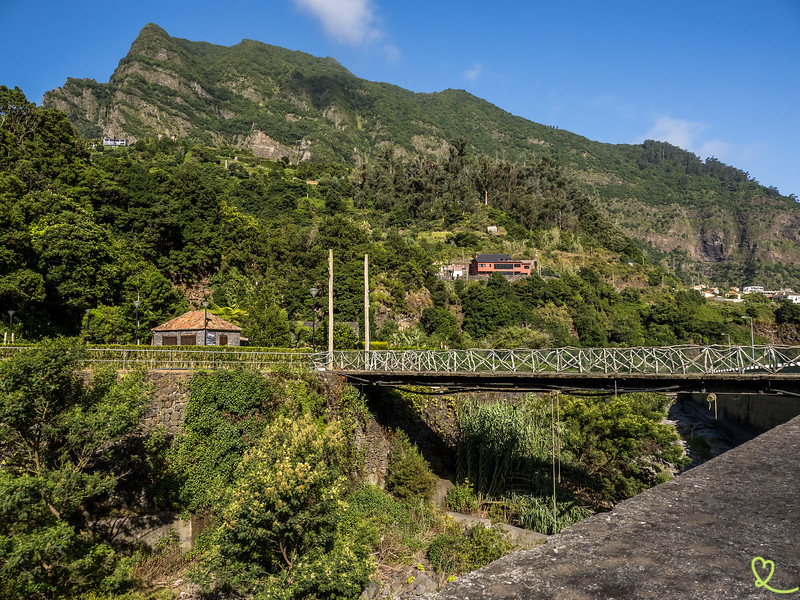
(718, 78)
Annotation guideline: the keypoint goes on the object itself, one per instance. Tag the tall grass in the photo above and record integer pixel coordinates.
(504, 445)
(512, 453)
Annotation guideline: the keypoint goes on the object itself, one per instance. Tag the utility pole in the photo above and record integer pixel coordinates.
(330, 310)
(313, 291)
(137, 303)
(366, 312)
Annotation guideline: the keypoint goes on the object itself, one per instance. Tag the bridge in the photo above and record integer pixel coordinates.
(719, 369)
(774, 369)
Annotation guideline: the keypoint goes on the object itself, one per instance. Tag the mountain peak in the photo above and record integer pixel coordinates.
(150, 31)
(150, 41)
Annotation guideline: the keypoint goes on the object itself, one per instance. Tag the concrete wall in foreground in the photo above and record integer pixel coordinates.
(147, 530)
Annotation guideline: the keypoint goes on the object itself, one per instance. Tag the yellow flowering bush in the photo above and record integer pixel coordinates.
(277, 531)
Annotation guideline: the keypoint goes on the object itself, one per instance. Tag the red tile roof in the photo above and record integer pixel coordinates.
(193, 320)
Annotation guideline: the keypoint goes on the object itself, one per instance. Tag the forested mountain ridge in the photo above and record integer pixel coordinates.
(85, 231)
(714, 219)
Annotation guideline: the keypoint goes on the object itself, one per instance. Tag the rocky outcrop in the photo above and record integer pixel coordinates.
(712, 247)
(264, 146)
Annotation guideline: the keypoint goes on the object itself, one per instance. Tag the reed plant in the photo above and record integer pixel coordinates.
(504, 445)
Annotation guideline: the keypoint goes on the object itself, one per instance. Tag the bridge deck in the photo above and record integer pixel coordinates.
(619, 382)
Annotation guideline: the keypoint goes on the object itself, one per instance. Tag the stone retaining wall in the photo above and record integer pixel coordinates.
(168, 404)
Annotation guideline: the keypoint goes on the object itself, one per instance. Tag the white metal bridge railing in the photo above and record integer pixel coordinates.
(674, 360)
(187, 357)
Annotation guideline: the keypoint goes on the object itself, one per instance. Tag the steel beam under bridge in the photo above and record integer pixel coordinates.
(719, 369)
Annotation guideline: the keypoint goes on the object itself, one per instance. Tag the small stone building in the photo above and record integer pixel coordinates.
(197, 328)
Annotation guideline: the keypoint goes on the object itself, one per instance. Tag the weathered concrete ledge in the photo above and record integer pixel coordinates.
(693, 537)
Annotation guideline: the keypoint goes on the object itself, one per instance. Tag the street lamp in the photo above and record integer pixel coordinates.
(728, 335)
(136, 303)
(313, 291)
(11, 324)
(205, 323)
(88, 314)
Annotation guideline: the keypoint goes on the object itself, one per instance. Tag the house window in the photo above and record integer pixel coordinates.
(169, 340)
(188, 340)
(223, 339)
(482, 265)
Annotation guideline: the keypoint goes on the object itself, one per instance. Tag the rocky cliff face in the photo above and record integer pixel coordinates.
(250, 95)
(761, 229)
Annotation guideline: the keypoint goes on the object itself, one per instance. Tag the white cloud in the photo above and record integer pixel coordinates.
(688, 135)
(347, 21)
(391, 52)
(474, 73)
(676, 131)
(716, 148)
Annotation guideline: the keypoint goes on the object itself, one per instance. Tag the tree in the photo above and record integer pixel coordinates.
(279, 520)
(80, 260)
(786, 312)
(57, 441)
(441, 322)
(39, 146)
(489, 306)
(267, 322)
(107, 325)
(18, 117)
(408, 474)
(591, 330)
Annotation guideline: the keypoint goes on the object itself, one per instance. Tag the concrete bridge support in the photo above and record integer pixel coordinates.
(751, 413)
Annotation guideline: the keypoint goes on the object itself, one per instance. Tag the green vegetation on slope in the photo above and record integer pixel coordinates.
(165, 221)
(64, 449)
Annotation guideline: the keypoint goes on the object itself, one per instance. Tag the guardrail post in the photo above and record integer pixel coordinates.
(558, 360)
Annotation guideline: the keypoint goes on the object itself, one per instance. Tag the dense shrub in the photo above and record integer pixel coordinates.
(461, 498)
(621, 441)
(226, 413)
(478, 546)
(394, 531)
(278, 521)
(408, 475)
